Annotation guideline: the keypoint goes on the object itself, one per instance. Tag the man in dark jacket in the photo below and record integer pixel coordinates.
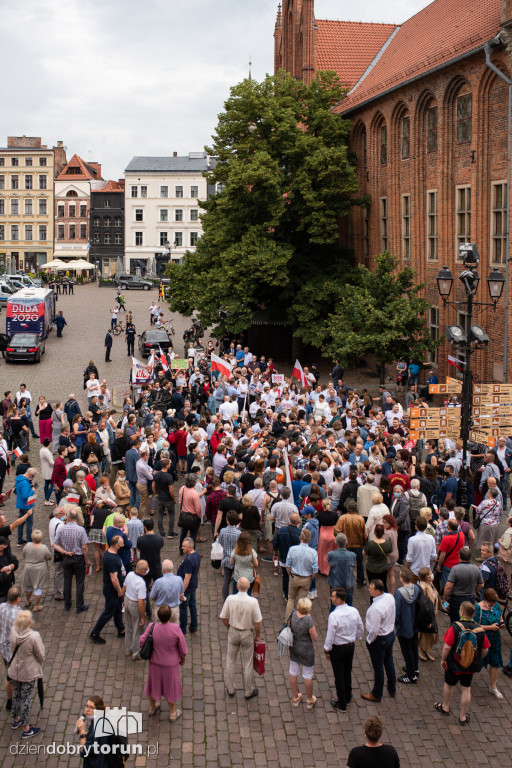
(120, 446)
(108, 346)
(60, 322)
(405, 602)
(286, 537)
(71, 408)
(8, 564)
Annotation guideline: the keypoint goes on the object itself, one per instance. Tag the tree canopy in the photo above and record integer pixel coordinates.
(381, 315)
(271, 233)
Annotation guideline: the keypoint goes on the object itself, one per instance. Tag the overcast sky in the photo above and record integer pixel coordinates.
(117, 78)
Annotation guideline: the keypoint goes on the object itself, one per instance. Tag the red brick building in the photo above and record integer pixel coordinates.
(430, 130)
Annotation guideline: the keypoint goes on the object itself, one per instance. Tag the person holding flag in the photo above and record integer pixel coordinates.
(220, 365)
(25, 500)
(298, 373)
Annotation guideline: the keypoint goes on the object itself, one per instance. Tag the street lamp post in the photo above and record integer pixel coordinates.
(472, 337)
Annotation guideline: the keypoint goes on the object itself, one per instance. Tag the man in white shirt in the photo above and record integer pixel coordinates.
(421, 549)
(93, 387)
(242, 616)
(228, 407)
(344, 627)
(134, 591)
(380, 625)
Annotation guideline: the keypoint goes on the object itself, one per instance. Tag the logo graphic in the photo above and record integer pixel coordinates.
(116, 722)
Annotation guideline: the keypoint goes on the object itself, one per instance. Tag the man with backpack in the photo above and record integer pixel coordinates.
(492, 573)
(464, 582)
(465, 644)
(417, 500)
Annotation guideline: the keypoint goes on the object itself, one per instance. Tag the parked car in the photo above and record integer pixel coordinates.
(24, 346)
(154, 339)
(22, 281)
(134, 282)
(6, 291)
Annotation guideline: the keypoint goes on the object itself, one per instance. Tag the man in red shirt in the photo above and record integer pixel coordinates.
(454, 672)
(179, 439)
(449, 549)
(399, 477)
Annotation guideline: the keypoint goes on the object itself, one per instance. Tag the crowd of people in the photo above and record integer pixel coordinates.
(306, 480)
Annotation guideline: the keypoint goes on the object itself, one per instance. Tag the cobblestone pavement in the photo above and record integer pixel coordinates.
(214, 729)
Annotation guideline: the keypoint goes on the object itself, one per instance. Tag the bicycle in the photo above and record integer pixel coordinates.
(118, 328)
(168, 327)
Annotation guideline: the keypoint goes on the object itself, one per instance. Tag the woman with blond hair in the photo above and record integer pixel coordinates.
(391, 535)
(24, 669)
(36, 574)
(302, 652)
(426, 514)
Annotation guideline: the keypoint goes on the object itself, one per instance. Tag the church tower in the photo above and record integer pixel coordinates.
(294, 39)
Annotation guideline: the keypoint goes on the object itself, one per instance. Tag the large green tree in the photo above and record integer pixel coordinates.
(270, 236)
(381, 315)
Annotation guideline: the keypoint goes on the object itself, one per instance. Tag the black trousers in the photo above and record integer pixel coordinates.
(74, 566)
(409, 648)
(113, 610)
(342, 657)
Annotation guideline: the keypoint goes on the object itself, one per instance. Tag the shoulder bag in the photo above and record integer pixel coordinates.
(186, 520)
(147, 649)
(477, 521)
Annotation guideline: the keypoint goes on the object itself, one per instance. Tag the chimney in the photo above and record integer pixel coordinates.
(175, 154)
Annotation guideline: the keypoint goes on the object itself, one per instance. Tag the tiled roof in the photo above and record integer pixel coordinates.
(348, 47)
(439, 34)
(87, 171)
(111, 186)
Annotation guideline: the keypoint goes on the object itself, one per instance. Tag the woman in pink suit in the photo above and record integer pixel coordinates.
(327, 519)
(169, 651)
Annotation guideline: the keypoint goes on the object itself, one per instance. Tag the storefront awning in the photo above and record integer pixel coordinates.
(68, 253)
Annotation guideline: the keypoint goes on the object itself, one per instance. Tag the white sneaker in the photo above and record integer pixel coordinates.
(312, 594)
(496, 693)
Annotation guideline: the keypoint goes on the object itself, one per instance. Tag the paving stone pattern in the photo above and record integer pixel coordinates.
(214, 729)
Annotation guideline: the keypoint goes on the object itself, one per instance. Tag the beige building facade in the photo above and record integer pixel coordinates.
(28, 169)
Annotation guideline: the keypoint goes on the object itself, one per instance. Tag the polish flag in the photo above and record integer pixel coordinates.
(18, 452)
(218, 364)
(73, 498)
(298, 374)
(163, 360)
(459, 364)
(31, 500)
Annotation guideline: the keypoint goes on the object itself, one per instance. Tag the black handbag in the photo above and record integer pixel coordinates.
(147, 649)
(186, 520)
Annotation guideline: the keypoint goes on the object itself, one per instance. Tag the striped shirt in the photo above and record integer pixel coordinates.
(227, 538)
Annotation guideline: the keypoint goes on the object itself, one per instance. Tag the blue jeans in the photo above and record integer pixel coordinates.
(48, 489)
(235, 590)
(188, 604)
(445, 572)
(381, 655)
(358, 552)
(134, 494)
(29, 524)
(113, 610)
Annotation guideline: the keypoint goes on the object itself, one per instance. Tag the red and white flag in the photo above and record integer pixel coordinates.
(73, 498)
(459, 364)
(18, 452)
(163, 360)
(218, 364)
(31, 500)
(299, 374)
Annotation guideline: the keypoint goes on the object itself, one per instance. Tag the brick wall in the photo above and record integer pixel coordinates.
(476, 163)
(29, 142)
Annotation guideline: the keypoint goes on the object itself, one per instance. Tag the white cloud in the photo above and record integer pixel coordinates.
(117, 78)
